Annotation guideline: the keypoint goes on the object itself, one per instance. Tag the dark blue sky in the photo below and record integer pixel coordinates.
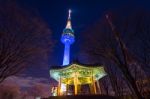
(84, 13)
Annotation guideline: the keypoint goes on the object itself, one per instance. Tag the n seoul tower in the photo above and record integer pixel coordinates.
(67, 39)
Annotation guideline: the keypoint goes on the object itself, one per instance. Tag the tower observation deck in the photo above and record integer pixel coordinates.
(67, 39)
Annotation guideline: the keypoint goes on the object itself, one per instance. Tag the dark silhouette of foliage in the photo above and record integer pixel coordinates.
(24, 39)
(110, 44)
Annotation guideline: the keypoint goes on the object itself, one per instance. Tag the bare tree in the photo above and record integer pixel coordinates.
(111, 48)
(105, 86)
(115, 80)
(125, 62)
(24, 39)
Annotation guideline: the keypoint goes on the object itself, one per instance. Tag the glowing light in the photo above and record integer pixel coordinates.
(69, 13)
(54, 91)
(66, 54)
(67, 38)
(68, 26)
(63, 87)
(83, 74)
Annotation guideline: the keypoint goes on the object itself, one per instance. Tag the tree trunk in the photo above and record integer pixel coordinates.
(133, 83)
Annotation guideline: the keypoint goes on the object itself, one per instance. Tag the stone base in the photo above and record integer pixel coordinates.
(81, 97)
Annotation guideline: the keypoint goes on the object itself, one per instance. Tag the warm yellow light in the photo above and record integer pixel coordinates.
(83, 73)
(68, 25)
(63, 87)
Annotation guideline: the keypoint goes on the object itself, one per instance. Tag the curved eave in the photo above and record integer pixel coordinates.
(83, 71)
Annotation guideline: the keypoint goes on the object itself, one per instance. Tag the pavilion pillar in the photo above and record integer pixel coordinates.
(79, 88)
(99, 88)
(93, 84)
(67, 87)
(59, 87)
(91, 88)
(75, 84)
(94, 87)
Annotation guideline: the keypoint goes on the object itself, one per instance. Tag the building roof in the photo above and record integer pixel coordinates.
(84, 73)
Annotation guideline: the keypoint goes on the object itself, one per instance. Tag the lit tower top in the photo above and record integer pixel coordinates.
(67, 39)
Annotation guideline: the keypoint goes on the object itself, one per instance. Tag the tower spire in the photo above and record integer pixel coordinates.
(68, 26)
(69, 16)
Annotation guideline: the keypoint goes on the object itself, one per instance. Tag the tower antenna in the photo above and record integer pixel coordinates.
(69, 19)
(69, 16)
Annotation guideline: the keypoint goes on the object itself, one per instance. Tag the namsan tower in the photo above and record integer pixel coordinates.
(67, 39)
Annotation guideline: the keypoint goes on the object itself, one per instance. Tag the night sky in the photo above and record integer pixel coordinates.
(84, 13)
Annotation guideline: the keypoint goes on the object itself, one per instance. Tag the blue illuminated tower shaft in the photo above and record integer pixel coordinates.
(67, 39)
(66, 54)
